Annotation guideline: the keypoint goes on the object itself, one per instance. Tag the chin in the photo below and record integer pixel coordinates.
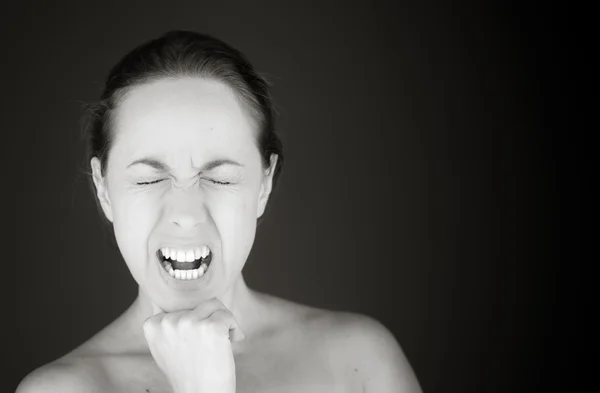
(172, 301)
(179, 302)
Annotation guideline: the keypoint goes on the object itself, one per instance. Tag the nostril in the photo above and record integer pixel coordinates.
(188, 217)
(186, 222)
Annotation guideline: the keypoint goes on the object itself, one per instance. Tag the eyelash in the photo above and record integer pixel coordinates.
(222, 183)
(158, 181)
(147, 183)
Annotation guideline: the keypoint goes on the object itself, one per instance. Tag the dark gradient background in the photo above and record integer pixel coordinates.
(420, 184)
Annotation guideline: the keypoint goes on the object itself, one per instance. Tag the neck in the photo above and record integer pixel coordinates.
(239, 299)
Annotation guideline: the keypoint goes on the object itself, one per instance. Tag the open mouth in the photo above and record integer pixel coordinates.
(188, 264)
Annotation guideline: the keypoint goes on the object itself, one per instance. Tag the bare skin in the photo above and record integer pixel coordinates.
(288, 348)
(184, 171)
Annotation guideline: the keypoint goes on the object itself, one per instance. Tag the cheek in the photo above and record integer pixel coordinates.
(235, 218)
(232, 214)
(134, 216)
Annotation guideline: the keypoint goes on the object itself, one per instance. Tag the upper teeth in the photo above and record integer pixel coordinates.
(189, 255)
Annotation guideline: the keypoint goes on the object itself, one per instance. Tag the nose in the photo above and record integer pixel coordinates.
(187, 210)
(185, 221)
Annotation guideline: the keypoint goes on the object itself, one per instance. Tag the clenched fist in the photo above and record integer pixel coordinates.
(193, 347)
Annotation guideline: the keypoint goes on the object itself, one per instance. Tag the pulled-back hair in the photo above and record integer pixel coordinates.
(185, 54)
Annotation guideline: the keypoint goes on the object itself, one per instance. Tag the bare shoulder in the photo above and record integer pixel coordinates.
(68, 374)
(358, 343)
(367, 346)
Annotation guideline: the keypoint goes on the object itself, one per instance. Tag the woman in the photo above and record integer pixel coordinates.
(184, 155)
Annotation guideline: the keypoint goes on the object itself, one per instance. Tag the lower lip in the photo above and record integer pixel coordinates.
(185, 284)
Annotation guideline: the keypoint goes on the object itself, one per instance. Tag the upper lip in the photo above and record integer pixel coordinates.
(186, 246)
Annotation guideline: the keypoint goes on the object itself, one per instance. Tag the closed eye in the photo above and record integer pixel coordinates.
(224, 183)
(145, 183)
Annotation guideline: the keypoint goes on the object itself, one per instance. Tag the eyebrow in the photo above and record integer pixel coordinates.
(161, 166)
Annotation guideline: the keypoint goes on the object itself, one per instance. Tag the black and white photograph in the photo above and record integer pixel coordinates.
(281, 197)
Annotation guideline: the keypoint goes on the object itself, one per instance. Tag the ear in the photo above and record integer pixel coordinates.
(266, 186)
(101, 189)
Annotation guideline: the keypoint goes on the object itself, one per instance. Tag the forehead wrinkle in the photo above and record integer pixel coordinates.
(162, 166)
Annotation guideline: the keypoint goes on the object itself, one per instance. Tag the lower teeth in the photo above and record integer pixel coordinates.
(189, 274)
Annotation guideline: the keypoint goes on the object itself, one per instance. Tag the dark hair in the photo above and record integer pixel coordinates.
(185, 53)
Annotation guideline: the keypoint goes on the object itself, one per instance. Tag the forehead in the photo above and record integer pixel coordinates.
(185, 118)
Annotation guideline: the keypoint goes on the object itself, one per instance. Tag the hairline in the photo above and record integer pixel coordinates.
(247, 104)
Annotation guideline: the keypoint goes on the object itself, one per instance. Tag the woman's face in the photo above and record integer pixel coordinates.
(184, 172)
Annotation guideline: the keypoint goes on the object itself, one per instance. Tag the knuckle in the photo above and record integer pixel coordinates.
(165, 323)
(186, 322)
(220, 320)
(150, 322)
(208, 325)
(223, 315)
(149, 326)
